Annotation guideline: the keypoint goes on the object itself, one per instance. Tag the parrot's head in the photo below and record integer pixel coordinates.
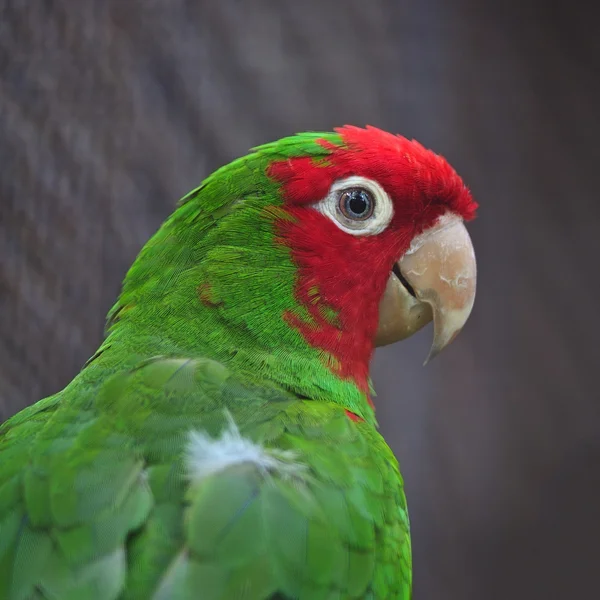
(378, 228)
(293, 262)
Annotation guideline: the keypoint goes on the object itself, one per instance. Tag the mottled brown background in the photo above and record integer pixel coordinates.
(110, 110)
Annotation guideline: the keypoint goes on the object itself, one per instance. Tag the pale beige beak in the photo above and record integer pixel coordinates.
(440, 268)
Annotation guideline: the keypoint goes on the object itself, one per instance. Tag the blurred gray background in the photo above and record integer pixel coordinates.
(112, 110)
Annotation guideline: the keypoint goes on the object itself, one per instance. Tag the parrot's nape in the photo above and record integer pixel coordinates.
(222, 443)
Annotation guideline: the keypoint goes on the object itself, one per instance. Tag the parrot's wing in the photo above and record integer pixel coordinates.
(179, 480)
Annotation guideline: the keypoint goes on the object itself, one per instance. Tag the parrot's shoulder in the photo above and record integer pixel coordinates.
(178, 475)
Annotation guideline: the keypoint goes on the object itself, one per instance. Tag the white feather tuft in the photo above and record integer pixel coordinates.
(206, 456)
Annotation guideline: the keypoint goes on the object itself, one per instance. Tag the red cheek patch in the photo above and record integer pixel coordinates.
(340, 276)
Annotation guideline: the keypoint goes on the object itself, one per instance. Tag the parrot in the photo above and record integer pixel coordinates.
(222, 441)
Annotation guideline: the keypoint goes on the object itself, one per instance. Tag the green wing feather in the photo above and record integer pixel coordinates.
(97, 500)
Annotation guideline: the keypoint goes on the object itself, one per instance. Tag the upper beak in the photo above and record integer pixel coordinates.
(436, 279)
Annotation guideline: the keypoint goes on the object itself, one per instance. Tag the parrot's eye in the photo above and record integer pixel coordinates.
(357, 205)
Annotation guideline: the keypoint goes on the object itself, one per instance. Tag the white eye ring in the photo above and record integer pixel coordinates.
(382, 212)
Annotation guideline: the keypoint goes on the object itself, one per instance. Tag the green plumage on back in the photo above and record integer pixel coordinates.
(221, 443)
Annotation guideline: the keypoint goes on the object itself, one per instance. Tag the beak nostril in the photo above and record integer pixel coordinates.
(403, 281)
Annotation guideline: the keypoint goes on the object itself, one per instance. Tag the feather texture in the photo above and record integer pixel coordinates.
(106, 508)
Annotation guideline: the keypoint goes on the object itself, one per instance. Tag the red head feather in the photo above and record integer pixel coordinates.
(348, 273)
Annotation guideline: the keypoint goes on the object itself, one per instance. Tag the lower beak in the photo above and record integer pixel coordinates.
(435, 279)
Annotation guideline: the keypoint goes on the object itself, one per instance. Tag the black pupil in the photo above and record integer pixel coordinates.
(357, 203)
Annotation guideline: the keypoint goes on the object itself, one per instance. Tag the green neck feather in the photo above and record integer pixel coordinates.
(213, 282)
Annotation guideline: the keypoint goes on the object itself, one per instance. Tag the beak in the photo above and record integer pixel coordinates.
(435, 279)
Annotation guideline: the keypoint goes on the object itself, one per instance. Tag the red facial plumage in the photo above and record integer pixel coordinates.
(419, 181)
(350, 272)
